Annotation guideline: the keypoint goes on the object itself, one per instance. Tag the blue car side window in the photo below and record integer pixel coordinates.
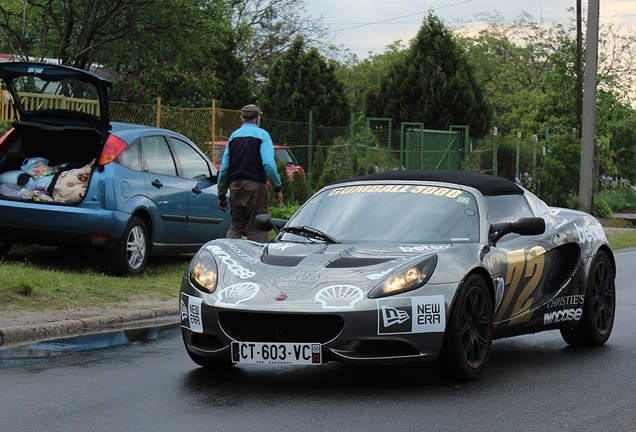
(157, 156)
(131, 157)
(194, 167)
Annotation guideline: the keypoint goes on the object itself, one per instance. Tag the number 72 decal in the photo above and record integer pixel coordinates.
(524, 272)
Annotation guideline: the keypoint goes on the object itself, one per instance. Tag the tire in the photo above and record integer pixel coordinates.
(468, 339)
(130, 256)
(597, 321)
(209, 363)
(5, 247)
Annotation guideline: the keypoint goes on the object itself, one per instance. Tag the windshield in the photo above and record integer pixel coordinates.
(391, 213)
(285, 156)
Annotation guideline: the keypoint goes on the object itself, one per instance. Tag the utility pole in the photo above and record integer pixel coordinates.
(579, 69)
(586, 181)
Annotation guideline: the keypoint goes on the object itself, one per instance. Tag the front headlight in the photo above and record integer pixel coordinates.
(410, 278)
(203, 271)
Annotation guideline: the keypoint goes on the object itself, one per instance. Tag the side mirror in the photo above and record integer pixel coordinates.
(524, 226)
(264, 222)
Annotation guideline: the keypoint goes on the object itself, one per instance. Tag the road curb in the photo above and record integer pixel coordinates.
(11, 336)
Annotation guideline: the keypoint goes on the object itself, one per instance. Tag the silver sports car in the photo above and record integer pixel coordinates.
(401, 266)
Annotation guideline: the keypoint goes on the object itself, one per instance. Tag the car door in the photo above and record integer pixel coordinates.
(168, 191)
(205, 221)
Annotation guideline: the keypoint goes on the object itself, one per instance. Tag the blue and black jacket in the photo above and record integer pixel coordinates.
(249, 155)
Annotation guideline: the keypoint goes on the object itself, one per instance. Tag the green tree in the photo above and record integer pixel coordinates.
(527, 71)
(433, 83)
(299, 184)
(73, 32)
(362, 77)
(183, 53)
(266, 28)
(300, 81)
(318, 164)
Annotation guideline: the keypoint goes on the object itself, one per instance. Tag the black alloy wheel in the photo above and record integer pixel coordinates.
(468, 340)
(597, 321)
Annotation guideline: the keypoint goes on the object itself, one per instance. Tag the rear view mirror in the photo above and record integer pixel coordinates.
(264, 222)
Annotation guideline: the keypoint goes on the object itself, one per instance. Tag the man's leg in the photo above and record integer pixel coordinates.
(238, 212)
(257, 205)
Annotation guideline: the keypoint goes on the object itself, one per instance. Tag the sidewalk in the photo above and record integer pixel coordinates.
(628, 216)
(18, 327)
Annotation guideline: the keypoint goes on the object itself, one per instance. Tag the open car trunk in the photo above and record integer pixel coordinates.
(47, 163)
(62, 123)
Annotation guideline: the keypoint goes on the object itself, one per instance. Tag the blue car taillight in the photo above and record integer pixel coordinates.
(112, 148)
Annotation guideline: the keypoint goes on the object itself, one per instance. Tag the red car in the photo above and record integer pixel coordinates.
(281, 154)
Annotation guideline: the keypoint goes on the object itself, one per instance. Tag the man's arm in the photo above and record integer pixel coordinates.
(223, 177)
(269, 163)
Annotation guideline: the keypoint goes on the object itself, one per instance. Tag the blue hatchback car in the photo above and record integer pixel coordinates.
(69, 177)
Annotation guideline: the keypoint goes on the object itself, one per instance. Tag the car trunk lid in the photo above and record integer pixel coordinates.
(57, 95)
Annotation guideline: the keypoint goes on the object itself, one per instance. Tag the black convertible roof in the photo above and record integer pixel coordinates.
(484, 183)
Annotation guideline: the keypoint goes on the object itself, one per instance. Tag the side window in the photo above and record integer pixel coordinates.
(193, 165)
(218, 153)
(131, 157)
(157, 156)
(539, 207)
(507, 208)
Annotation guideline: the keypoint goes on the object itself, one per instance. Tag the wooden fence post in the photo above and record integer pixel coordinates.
(158, 124)
(213, 130)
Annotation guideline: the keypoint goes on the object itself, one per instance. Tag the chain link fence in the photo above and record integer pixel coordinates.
(326, 154)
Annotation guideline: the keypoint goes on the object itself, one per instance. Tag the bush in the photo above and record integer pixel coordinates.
(329, 175)
(617, 193)
(285, 211)
(5, 125)
(299, 184)
(622, 200)
(572, 202)
(601, 209)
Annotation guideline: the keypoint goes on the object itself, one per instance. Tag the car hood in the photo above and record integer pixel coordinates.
(301, 271)
(22, 77)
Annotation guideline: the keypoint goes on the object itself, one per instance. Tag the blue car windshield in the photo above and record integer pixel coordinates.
(391, 213)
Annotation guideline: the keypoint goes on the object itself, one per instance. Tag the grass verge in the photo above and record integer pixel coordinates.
(39, 278)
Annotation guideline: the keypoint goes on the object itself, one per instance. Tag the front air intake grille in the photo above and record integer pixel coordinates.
(385, 348)
(263, 327)
(206, 342)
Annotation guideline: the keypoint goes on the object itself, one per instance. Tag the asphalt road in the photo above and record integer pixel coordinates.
(533, 383)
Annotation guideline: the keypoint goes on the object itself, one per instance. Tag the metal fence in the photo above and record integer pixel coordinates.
(325, 153)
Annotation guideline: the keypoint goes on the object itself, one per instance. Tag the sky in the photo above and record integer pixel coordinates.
(368, 26)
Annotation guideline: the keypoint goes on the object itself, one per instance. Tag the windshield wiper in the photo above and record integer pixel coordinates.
(310, 232)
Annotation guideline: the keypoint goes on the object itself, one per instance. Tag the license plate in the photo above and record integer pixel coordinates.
(277, 353)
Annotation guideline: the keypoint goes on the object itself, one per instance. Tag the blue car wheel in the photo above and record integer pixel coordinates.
(131, 253)
(4, 248)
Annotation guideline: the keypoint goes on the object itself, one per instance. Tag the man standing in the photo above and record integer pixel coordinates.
(247, 164)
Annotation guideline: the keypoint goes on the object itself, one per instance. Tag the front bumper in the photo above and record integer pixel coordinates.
(355, 335)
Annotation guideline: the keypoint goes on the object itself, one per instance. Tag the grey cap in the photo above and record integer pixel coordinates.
(250, 112)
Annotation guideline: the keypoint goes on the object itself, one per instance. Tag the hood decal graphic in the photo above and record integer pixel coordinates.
(233, 295)
(339, 297)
